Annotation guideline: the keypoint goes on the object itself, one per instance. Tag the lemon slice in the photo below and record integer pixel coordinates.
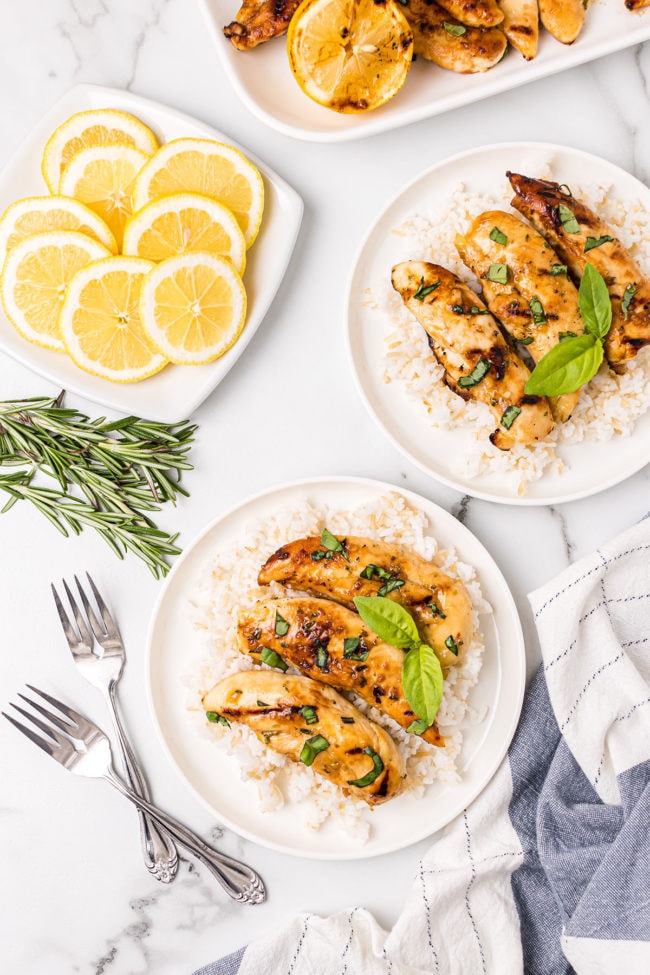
(193, 307)
(349, 55)
(35, 277)
(100, 321)
(182, 223)
(102, 177)
(99, 127)
(211, 168)
(38, 214)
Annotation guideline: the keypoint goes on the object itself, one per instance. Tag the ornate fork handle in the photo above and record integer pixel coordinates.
(160, 854)
(238, 880)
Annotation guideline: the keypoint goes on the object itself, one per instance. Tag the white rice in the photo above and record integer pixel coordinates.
(230, 584)
(608, 406)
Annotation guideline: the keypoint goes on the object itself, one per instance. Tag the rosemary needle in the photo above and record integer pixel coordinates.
(121, 470)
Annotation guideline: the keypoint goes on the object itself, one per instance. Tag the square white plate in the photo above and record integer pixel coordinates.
(264, 82)
(173, 394)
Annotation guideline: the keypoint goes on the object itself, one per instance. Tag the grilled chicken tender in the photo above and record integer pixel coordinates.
(274, 707)
(521, 25)
(474, 13)
(539, 201)
(563, 18)
(534, 305)
(258, 21)
(466, 341)
(331, 644)
(439, 603)
(472, 51)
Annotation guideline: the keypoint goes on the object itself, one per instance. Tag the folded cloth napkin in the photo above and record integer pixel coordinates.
(548, 871)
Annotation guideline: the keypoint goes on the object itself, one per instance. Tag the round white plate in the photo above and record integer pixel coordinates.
(589, 466)
(173, 394)
(264, 82)
(214, 776)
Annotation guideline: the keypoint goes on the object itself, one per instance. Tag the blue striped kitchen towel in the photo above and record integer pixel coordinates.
(548, 871)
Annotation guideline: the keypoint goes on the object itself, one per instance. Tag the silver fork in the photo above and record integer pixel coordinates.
(83, 748)
(104, 670)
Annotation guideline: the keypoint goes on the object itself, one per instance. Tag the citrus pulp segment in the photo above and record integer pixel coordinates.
(39, 214)
(35, 277)
(100, 321)
(182, 223)
(210, 168)
(349, 55)
(193, 307)
(97, 127)
(102, 177)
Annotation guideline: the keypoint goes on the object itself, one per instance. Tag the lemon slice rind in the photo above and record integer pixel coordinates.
(96, 127)
(184, 302)
(44, 299)
(192, 165)
(83, 327)
(181, 224)
(50, 213)
(102, 177)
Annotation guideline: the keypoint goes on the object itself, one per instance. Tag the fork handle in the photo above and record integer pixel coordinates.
(159, 852)
(239, 881)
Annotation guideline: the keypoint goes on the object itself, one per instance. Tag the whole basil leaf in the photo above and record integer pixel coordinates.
(595, 303)
(566, 367)
(391, 622)
(422, 681)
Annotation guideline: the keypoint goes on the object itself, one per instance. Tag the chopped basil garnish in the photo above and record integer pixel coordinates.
(568, 220)
(565, 189)
(331, 543)
(478, 373)
(527, 340)
(417, 727)
(425, 289)
(559, 269)
(309, 714)
(312, 747)
(273, 659)
(281, 625)
(458, 309)
(389, 586)
(563, 336)
(475, 310)
(263, 704)
(628, 294)
(322, 656)
(347, 720)
(320, 554)
(537, 311)
(498, 273)
(372, 570)
(498, 236)
(456, 30)
(216, 718)
(509, 417)
(351, 649)
(375, 771)
(592, 242)
(451, 645)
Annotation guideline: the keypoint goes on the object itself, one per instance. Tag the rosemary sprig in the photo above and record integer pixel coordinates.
(121, 470)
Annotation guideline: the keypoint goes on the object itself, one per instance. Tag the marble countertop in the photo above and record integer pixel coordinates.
(75, 897)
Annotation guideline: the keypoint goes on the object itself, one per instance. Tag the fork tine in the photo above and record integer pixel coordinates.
(109, 623)
(43, 743)
(54, 718)
(68, 629)
(59, 739)
(81, 623)
(78, 719)
(97, 628)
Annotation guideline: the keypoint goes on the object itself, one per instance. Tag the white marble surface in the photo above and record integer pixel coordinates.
(74, 896)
